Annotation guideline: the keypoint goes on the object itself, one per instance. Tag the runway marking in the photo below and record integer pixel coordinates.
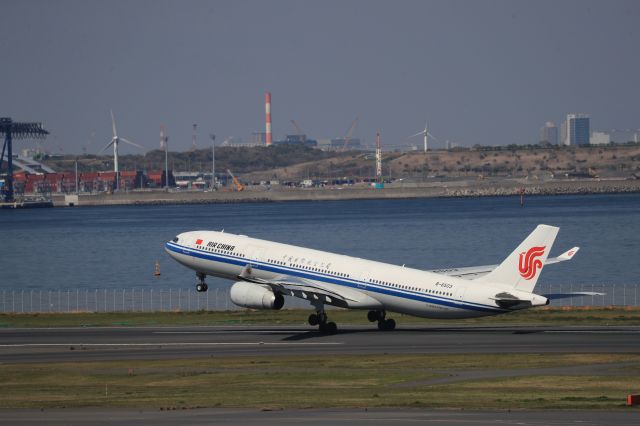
(594, 331)
(23, 345)
(284, 330)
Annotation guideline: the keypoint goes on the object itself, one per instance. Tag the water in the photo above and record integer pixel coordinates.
(117, 247)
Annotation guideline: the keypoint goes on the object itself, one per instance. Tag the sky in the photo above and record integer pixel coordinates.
(480, 72)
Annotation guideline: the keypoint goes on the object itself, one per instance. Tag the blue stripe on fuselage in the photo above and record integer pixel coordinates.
(241, 261)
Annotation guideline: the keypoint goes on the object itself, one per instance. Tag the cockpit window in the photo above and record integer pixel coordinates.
(175, 240)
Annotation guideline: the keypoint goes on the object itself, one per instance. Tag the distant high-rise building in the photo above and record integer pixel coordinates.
(578, 131)
(549, 133)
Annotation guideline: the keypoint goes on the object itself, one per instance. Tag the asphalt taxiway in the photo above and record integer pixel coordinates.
(207, 416)
(109, 343)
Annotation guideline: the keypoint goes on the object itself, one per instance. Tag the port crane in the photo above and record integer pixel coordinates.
(11, 129)
(239, 186)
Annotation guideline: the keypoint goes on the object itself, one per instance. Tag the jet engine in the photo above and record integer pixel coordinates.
(255, 296)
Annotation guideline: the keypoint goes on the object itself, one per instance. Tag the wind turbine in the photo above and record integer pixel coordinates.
(426, 135)
(115, 140)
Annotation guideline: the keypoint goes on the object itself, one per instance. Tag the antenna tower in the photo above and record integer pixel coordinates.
(378, 159)
(194, 137)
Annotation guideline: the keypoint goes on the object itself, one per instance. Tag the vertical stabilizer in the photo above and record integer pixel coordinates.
(522, 268)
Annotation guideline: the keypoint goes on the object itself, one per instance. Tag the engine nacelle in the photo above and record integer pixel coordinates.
(255, 296)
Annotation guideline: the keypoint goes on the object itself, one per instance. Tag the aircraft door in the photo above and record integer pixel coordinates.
(364, 278)
(460, 291)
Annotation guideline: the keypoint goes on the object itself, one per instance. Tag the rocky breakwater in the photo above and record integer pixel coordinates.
(547, 188)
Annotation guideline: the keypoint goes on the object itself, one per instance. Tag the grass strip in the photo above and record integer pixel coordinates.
(539, 316)
(270, 382)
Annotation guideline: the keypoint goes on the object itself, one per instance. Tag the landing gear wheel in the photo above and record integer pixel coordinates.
(201, 285)
(391, 324)
(320, 319)
(313, 319)
(387, 325)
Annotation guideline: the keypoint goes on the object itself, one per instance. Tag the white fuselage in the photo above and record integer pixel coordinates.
(396, 288)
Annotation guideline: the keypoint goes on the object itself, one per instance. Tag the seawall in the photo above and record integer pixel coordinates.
(394, 191)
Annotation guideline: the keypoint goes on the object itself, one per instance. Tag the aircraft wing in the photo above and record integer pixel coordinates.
(473, 272)
(313, 291)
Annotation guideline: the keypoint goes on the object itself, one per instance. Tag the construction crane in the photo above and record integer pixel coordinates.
(299, 131)
(347, 137)
(296, 127)
(236, 181)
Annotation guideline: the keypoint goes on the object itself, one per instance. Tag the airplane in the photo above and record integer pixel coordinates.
(265, 272)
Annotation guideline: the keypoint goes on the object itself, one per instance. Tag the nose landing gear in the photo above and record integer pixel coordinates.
(201, 285)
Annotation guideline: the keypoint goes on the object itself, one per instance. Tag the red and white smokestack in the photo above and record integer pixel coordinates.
(267, 110)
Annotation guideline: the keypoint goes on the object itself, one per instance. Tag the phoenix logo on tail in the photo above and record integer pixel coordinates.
(529, 264)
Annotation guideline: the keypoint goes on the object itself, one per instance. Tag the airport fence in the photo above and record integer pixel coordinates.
(139, 299)
(135, 299)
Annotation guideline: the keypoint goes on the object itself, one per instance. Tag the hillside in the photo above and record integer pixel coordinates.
(297, 162)
(238, 159)
(535, 162)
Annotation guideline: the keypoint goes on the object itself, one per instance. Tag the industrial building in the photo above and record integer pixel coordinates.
(297, 140)
(338, 143)
(88, 182)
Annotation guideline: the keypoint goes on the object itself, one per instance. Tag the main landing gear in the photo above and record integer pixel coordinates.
(201, 285)
(320, 319)
(384, 324)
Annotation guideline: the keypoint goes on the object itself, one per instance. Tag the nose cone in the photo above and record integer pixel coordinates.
(172, 247)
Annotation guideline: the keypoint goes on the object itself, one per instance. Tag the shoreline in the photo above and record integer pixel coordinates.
(456, 189)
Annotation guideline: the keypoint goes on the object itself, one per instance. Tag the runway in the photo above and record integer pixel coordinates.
(110, 343)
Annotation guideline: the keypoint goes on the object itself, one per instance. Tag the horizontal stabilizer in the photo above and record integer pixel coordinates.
(511, 302)
(567, 255)
(555, 296)
(473, 272)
